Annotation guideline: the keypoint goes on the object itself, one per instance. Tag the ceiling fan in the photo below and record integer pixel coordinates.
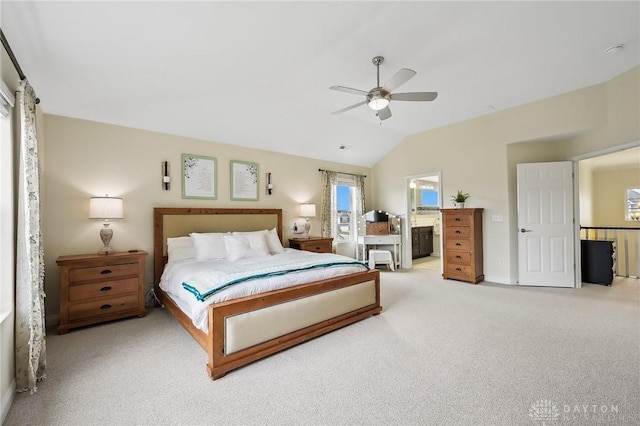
(379, 97)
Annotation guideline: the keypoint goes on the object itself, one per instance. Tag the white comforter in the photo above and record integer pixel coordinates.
(178, 272)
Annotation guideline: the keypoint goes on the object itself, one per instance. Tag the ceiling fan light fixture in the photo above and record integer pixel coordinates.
(378, 102)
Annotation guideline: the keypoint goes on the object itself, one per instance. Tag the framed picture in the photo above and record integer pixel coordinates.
(244, 181)
(199, 177)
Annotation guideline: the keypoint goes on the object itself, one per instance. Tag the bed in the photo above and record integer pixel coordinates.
(243, 330)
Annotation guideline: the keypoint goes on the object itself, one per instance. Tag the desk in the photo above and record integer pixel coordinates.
(394, 240)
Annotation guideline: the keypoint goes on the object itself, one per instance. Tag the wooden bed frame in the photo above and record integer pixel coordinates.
(250, 328)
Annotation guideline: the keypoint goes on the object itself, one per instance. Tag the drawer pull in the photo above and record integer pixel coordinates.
(105, 271)
(458, 256)
(105, 288)
(457, 219)
(458, 244)
(107, 306)
(458, 231)
(459, 269)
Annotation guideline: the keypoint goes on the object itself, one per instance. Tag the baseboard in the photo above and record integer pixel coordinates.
(7, 400)
(499, 280)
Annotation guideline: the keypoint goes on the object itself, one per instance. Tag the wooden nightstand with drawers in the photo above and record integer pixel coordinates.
(97, 288)
(314, 244)
(462, 242)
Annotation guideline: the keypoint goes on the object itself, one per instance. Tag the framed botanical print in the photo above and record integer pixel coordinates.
(244, 181)
(199, 177)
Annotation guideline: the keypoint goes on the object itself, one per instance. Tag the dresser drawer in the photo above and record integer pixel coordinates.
(457, 219)
(102, 289)
(461, 272)
(457, 244)
(382, 240)
(456, 232)
(106, 272)
(102, 307)
(324, 247)
(458, 257)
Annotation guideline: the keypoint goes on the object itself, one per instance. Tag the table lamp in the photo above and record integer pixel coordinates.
(105, 208)
(307, 210)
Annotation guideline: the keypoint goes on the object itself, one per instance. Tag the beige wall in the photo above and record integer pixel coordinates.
(85, 159)
(477, 155)
(586, 194)
(609, 195)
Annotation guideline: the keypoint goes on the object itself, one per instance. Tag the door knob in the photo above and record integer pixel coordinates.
(525, 230)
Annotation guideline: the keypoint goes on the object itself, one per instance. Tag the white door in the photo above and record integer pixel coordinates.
(545, 224)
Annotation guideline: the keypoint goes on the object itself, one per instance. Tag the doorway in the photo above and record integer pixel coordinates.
(424, 200)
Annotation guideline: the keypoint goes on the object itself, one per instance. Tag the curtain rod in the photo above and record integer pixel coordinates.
(14, 61)
(342, 173)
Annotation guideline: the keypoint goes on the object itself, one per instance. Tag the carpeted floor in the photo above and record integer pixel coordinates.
(442, 352)
(429, 263)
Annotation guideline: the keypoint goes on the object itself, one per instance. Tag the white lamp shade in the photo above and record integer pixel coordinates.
(307, 210)
(105, 208)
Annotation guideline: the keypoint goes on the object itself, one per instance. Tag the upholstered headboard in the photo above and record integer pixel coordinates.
(169, 222)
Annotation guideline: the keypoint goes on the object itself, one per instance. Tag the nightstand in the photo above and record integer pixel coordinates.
(97, 288)
(315, 244)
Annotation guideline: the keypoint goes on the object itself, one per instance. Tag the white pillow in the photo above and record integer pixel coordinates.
(180, 248)
(273, 241)
(209, 246)
(240, 246)
(271, 237)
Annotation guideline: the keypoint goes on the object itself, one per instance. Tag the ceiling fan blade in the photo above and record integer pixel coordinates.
(414, 96)
(385, 113)
(398, 79)
(349, 90)
(340, 111)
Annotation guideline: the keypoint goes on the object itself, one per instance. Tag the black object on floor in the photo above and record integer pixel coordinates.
(597, 261)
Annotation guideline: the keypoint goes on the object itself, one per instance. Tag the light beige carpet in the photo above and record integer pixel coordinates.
(429, 263)
(442, 352)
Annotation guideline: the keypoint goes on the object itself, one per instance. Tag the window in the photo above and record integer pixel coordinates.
(633, 204)
(345, 208)
(345, 213)
(6, 216)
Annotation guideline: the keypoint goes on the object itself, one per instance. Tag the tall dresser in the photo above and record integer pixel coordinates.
(462, 242)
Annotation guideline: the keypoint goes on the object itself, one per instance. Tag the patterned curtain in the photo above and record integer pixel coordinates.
(30, 323)
(359, 179)
(327, 213)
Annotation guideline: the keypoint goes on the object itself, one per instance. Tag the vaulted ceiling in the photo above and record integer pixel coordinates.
(258, 74)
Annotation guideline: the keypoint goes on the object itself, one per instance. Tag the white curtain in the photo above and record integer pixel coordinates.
(30, 323)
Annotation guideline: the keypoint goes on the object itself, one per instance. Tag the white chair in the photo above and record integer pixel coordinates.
(381, 256)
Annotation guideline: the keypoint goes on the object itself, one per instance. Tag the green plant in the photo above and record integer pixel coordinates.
(460, 197)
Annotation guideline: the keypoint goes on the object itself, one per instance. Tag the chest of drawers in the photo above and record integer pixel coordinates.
(97, 288)
(462, 243)
(314, 244)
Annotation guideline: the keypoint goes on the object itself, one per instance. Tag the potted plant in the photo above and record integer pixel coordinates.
(459, 199)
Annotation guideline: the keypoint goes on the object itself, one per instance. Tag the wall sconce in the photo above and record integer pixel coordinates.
(269, 184)
(307, 210)
(105, 208)
(166, 178)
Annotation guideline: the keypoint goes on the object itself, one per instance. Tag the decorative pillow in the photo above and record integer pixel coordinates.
(240, 246)
(180, 248)
(209, 246)
(271, 237)
(273, 241)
